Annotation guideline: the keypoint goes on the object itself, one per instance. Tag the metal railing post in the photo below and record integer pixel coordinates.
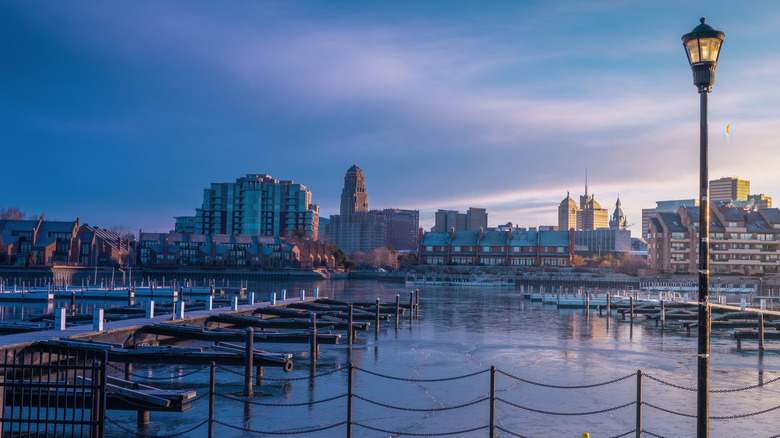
(492, 401)
(638, 403)
(349, 400)
(350, 330)
(212, 387)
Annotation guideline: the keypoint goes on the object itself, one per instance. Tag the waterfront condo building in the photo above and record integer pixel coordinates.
(254, 205)
(42, 243)
(743, 240)
(511, 247)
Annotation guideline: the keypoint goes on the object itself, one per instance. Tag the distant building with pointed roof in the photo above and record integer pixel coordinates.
(618, 220)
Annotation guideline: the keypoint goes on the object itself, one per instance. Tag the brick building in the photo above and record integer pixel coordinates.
(61, 243)
(510, 247)
(742, 240)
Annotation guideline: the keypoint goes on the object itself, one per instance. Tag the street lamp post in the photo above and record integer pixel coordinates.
(702, 45)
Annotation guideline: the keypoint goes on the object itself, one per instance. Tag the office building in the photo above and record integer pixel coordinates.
(359, 229)
(729, 189)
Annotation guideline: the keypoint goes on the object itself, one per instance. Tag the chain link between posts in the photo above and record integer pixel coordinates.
(712, 391)
(268, 432)
(278, 405)
(545, 385)
(392, 432)
(409, 379)
(130, 431)
(141, 376)
(401, 408)
(539, 411)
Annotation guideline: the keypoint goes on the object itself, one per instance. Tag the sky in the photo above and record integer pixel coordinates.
(121, 113)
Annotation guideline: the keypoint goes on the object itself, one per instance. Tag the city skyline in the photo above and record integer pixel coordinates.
(122, 114)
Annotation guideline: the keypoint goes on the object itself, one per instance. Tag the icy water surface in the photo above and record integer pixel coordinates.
(465, 330)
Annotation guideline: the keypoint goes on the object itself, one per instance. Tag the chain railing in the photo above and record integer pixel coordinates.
(494, 424)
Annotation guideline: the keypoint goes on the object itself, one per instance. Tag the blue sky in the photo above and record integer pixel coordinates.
(121, 113)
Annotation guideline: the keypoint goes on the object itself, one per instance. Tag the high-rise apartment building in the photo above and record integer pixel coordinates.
(670, 206)
(729, 189)
(257, 205)
(472, 220)
(359, 229)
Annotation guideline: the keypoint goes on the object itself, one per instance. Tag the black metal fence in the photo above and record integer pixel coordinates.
(52, 391)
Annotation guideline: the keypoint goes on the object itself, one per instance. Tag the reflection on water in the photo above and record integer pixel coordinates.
(463, 330)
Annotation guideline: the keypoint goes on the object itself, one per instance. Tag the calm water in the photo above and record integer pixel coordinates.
(466, 330)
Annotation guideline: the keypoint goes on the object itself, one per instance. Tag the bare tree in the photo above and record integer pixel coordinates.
(12, 213)
(122, 231)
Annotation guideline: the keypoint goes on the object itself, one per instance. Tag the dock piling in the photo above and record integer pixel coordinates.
(248, 365)
(761, 333)
(150, 309)
(97, 320)
(251, 298)
(313, 339)
(397, 309)
(234, 304)
(316, 292)
(59, 319)
(376, 328)
(303, 294)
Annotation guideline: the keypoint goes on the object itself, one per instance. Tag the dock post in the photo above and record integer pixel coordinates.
(631, 303)
(73, 299)
(284, 294)
(234, 304)
(251, 298)
(59, 321)
(397, 309)
(411, 306)
(181, 293)
(210, 302)
(760, 332)
(609, 303)
(273, 298)
(128, 371)
(150, 309)
(248, 365)
(376, 329)
(742, 303)
(763, 303)
(316, 292)
(587, 302)
(212, 390)
(303, 294)
(638, 427)
(417, 301)
(97, 320)
(180, 310)
(663, 312)
(313, 339)
(143, 420)
(350, 330)
(259, 375)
